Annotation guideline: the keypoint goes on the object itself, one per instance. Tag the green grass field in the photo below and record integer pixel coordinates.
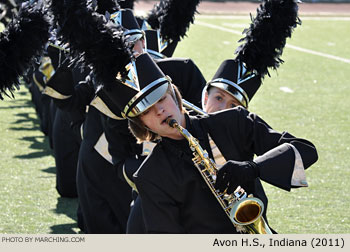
(316, 108)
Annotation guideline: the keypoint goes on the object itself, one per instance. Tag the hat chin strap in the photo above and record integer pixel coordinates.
(203, 101)
(174, 95)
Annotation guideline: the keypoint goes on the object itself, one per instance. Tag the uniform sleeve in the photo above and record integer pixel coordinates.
(277, 152)
(77, 118)
(246, 134)
(121, 141)
(122, 146)
(161, 214)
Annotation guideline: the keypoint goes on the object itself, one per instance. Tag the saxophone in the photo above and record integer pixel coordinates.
(245, 212)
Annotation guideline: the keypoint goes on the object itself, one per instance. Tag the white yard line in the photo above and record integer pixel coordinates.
(218, 27)
(329, 56)
(235, 17)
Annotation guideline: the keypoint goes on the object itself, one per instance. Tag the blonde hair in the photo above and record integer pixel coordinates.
(139, 129)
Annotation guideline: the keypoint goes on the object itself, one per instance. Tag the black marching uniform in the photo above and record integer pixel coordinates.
(42, 102)
(66, 144)
(65, 141)
(104, 198)
(175, 198)
(36, 88)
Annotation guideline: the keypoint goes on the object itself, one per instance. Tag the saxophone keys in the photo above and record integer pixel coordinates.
(197, 159)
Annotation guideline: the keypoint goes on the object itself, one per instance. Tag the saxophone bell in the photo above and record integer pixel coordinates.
(247, 213)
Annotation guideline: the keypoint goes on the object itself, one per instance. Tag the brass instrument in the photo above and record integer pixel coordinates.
(191, 107)
(244, 212)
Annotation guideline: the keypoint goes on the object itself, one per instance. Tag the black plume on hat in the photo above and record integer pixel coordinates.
(266, 36)
(173, 17)
(264, 43)
(22, 41)
(126, 4)
(99, 42)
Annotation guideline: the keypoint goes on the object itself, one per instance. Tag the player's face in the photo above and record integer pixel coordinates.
(155, 117)
(139, 47)
(218, 99)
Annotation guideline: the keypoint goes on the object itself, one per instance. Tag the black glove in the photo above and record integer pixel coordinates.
(235, 173)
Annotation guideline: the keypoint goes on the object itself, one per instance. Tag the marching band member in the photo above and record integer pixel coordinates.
(126, 152)
(65, 138)
(104, 198)
(174, 197)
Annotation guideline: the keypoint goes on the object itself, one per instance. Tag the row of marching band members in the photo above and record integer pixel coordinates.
(124, 106)
(104, 195)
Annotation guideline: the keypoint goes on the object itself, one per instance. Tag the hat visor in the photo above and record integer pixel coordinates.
(233, 89)
(155, 55)
(132, 36)
(147, 97)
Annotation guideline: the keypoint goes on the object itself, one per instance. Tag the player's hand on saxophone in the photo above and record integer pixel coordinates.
(235, 173)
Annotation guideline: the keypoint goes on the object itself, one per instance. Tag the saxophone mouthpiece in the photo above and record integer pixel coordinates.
(171, 122)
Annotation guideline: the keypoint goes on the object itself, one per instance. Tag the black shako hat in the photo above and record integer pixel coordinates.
(234, 78)
(157, 47)
(65, 75)
(48, 65)
(56, 54)
(261, 49)
(59, 85)
(144, 85)
(127, 20)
